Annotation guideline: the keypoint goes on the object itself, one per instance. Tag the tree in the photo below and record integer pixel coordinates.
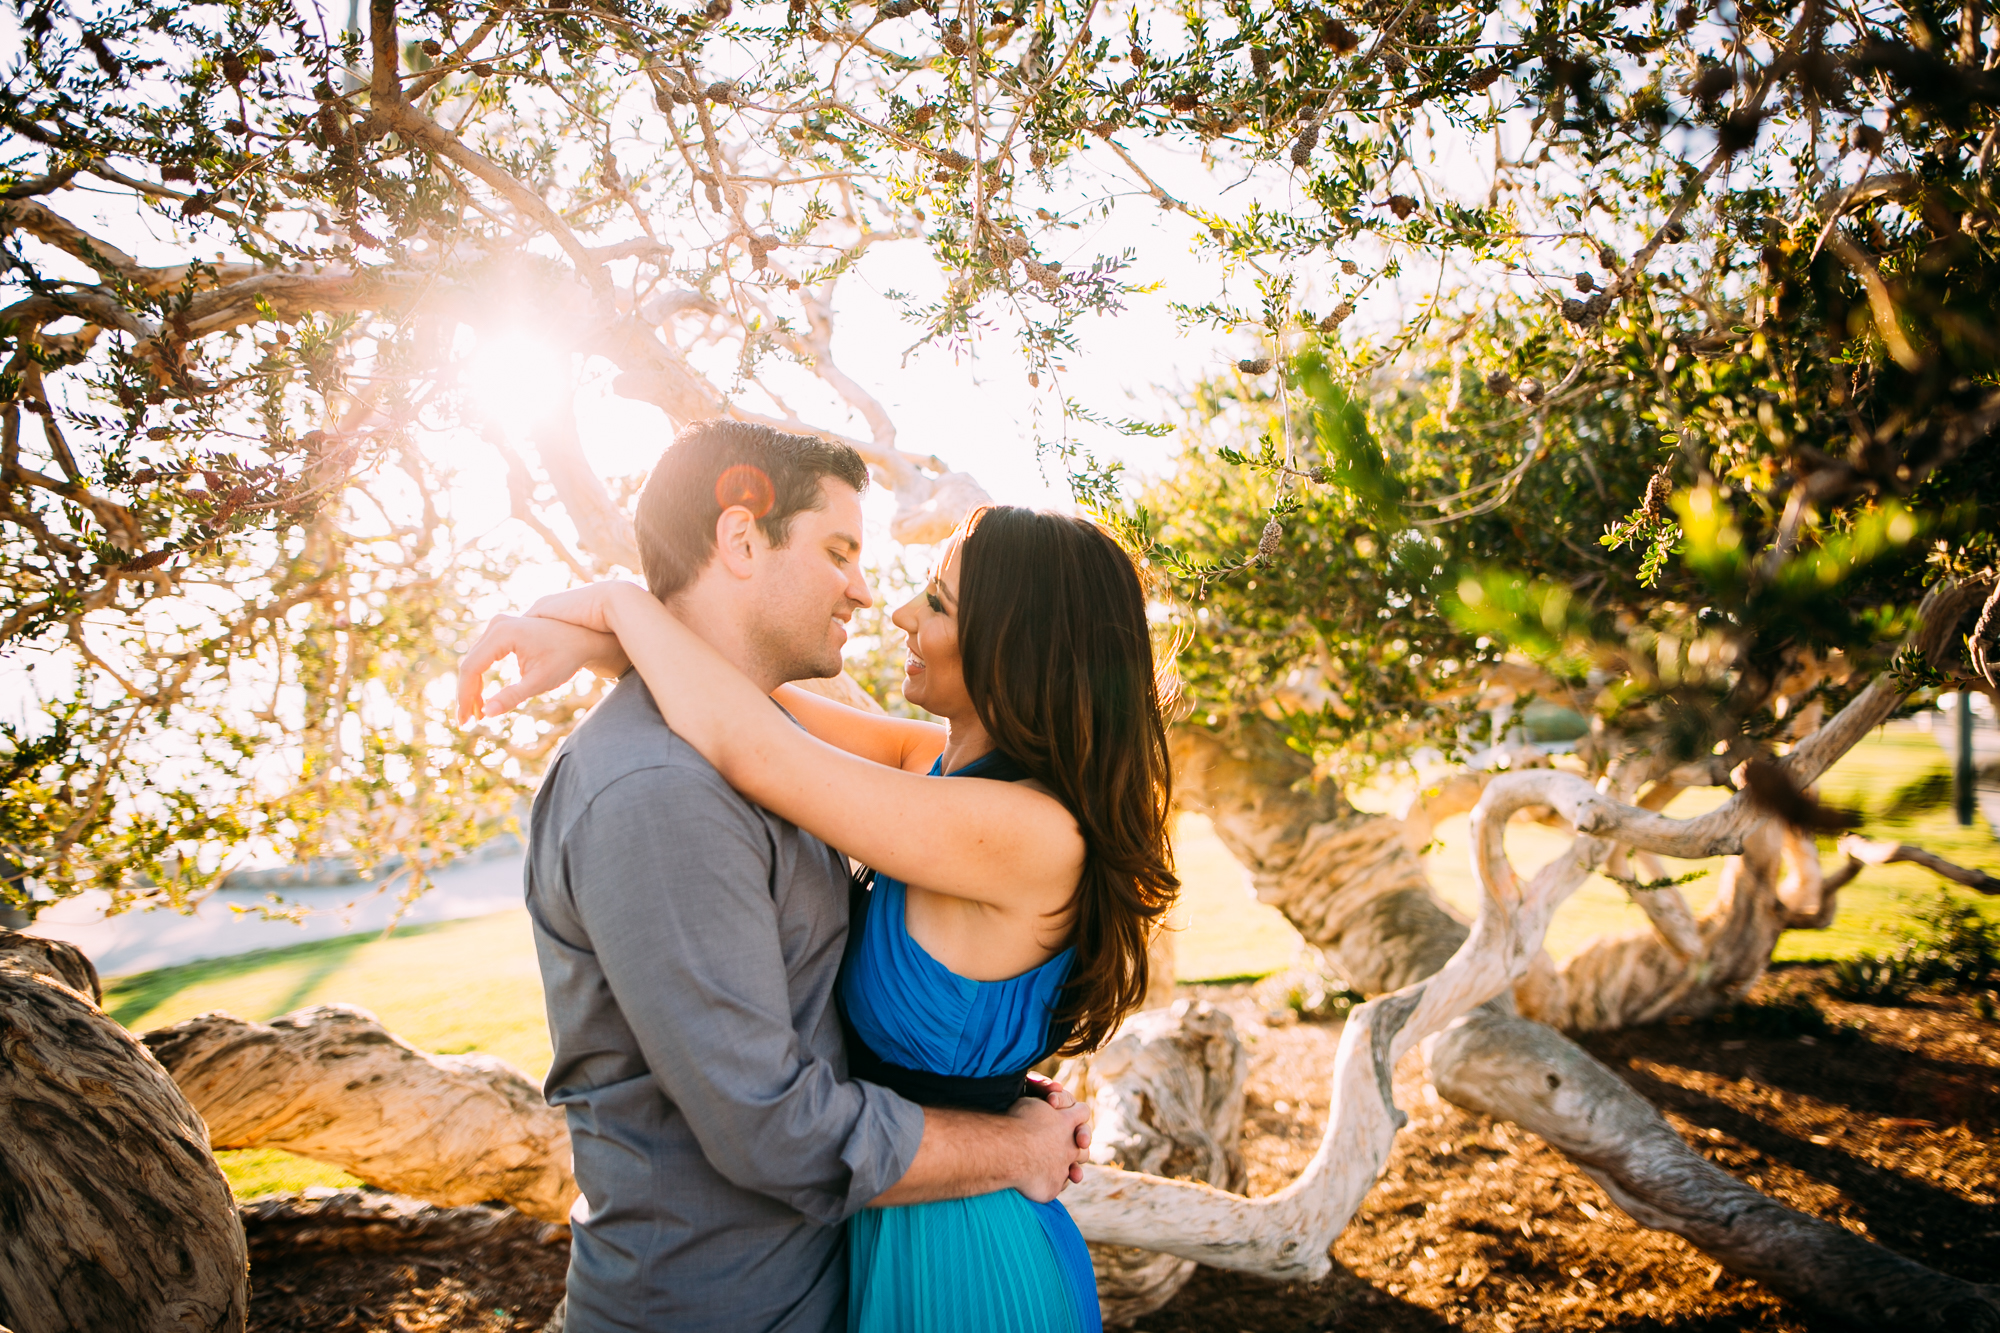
(1773, 381)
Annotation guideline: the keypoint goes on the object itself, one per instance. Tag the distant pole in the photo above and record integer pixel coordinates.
(1962, 776)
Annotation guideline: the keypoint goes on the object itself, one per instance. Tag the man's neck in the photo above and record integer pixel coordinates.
(718, 620)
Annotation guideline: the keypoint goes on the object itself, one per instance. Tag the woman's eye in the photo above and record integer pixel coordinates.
(935, 604)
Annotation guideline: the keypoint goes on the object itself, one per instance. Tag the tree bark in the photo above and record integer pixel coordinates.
(1168, 1097)
(354, 1222)
(330, 1083)
(1349, 882)
(57, 960)
(113, 1213)
(1876, 852)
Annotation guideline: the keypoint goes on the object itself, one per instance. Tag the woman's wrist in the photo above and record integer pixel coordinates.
(620, 601)
(611, 663)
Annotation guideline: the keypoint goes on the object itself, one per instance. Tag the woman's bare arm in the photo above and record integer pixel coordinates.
(994, 842)
(550, 652)
(899, 742)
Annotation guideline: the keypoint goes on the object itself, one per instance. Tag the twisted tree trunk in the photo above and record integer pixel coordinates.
(1168, 1097)
(113, 1215)
(1352, 885)
(330, 1083)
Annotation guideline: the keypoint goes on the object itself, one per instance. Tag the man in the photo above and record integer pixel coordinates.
(689, 943)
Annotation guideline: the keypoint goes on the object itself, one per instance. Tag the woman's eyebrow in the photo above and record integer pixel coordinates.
(942, 591)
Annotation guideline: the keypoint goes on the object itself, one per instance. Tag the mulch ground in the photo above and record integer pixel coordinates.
(509, 1287)
(1888, 1124)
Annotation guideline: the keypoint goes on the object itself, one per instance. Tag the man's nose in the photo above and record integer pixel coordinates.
(857, 590)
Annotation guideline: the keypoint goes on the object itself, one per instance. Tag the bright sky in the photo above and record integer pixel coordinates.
(977, 412)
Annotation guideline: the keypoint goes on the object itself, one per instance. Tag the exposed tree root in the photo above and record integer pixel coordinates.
(351, 1221)
(113, 1215)
(1168, 1095)
(1351, 883)
(1514, 1069)
(331, 1084)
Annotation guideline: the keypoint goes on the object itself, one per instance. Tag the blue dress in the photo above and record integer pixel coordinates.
(994, 1263)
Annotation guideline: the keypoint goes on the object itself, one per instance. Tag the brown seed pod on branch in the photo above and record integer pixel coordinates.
(1049, 275)
(1302, 147)
(1267, 544)
(1659, 495)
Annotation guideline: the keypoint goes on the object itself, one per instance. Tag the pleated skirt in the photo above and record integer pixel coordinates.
(995, 1263)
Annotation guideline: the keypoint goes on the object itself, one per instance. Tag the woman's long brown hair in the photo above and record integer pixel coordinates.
(1058, 661)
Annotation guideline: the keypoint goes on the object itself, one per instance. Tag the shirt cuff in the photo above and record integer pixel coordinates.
(883, 1145)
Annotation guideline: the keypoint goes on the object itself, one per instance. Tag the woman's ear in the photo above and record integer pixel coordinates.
(736, 540)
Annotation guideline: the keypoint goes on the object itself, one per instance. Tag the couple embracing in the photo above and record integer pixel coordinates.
(798, 1094)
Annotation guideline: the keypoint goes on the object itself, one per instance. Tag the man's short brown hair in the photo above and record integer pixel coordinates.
(714, 464)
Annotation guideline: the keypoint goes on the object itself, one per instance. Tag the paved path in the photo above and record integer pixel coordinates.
(142, 941)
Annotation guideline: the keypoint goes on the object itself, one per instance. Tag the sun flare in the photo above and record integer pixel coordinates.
(513, 378)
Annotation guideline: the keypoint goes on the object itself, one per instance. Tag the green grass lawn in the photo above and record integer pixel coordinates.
(473, 985)
(452, 987)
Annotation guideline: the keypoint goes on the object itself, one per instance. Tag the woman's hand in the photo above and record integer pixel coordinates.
(549, 652)
(590, 607)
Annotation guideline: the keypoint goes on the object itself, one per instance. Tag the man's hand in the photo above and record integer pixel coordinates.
(1050, 1091)
(1039, 1147)
(1056, 1095)
(1056, 1144)
(548, 652)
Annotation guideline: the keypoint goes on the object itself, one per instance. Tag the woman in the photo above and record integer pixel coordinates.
(1007, 915)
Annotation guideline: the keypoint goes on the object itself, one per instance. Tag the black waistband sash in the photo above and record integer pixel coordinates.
(995, 1093)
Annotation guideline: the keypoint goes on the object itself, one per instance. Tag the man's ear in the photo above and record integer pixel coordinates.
(737, 538)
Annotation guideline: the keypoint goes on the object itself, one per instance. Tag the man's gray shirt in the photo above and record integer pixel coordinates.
(689, 943)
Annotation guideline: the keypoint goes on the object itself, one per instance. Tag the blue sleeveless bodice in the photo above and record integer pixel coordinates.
(996, 1261)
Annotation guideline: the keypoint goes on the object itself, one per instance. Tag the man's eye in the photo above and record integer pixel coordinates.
(935, 604)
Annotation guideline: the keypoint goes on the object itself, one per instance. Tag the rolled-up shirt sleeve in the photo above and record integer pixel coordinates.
(682, 918)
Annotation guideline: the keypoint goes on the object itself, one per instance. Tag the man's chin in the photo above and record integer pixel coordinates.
(817, 668)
